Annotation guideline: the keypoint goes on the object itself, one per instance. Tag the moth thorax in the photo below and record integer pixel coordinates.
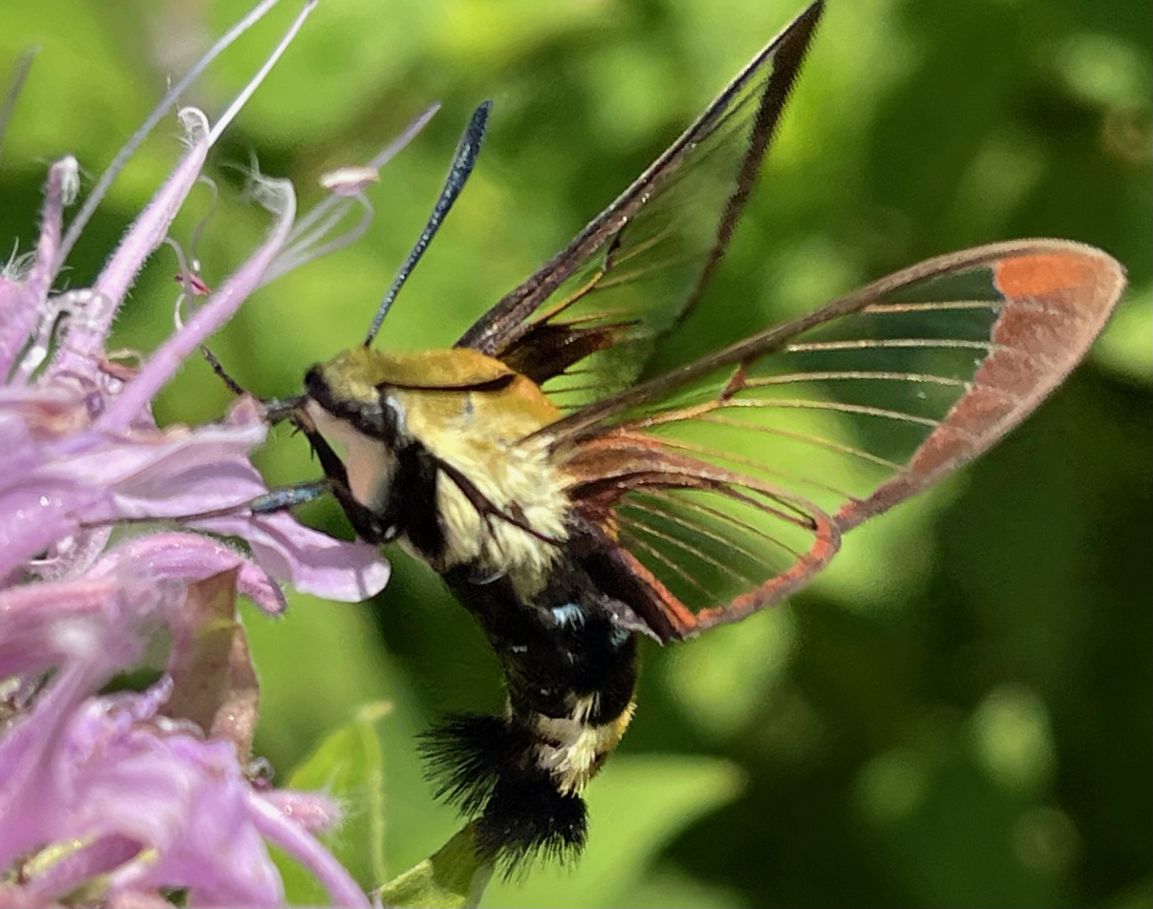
(446, 438)
(520, 537)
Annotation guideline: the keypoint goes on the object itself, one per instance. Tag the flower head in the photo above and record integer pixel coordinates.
(140, 794)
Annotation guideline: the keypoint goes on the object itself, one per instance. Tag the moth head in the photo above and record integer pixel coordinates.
(400, 398)
(346, 388)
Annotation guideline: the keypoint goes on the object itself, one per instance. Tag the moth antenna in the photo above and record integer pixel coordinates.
(458, 174)
(221, 373)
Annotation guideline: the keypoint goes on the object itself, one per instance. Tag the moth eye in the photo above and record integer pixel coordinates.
(315, 385)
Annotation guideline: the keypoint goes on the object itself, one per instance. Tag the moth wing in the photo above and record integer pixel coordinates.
(641, 264)
(729, 482)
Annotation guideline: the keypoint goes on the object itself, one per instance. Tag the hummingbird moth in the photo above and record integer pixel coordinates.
(575, 507)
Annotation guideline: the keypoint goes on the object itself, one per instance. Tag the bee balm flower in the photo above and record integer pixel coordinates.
(136, 795)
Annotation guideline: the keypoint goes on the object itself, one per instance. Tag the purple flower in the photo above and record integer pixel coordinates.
(135, 795)
(145, 791)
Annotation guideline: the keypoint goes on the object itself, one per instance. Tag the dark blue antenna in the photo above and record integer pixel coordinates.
(458, 174)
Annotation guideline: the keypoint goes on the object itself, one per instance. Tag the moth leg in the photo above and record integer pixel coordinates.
(487, 510)
(280, 499)
(284, 498)
(369, 526)
(277, 410)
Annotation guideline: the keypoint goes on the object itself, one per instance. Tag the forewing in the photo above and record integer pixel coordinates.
(730, 481)
(589, 313)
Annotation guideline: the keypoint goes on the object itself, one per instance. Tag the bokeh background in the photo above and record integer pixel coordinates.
(959, 712)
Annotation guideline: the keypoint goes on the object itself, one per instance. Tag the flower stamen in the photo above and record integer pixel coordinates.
(166, 104)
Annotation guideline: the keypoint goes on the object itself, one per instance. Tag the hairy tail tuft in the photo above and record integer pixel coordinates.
(484, 765)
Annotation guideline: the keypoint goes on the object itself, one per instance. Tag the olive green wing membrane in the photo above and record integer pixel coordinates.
(730, 481)
(583, 321)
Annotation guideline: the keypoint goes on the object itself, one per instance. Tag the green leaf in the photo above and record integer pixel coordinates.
(453, 878)
(700, 680)
(668, 888)
(349, 767)
(636, 807)
(1124, 347)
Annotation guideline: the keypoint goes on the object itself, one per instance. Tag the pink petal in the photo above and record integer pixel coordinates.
(189, 557)
(315, 812)
(219, 308)
(349, 181)
(79, 866)
(84, 338)
(22, 305)
(313, 562)
(292, 838)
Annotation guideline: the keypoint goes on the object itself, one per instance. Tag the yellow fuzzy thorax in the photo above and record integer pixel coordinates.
(480, 431)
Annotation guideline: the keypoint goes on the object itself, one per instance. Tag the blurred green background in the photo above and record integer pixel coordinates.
(958, 713)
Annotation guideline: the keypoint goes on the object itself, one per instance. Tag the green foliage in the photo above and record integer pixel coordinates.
(960, 712)
(347, 766)
(638, 806)
(452, 878)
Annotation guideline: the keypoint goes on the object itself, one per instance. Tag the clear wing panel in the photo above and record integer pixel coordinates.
(834, 417)
(583, 323)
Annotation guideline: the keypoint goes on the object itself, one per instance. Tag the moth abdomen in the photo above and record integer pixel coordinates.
(570, 671)
(527, 816)
(466, 755)
(484, 765)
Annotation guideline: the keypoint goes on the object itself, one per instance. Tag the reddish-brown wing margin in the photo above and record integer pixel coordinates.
(509, 324)
(1042, 301)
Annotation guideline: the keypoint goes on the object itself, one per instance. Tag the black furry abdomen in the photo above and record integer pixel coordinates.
(484, 766)
(571, 645)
